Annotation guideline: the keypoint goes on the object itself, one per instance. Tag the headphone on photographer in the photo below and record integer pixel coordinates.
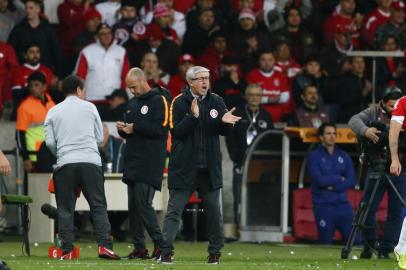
(391, 92)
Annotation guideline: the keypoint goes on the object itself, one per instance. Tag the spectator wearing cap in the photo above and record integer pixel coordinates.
(390, 71)
(11, 13)
(177, 19)
(211, 57)
(8, 62)
(103, 65)
(302, 41)
(178, 81)
(19, 80)
(395, 26)
(154, 75)
(247, 37)
(71, 24)
(92, 19)
(35, 29)
(311, 75)
(167, 51)
(344, 17)
(109, 11)
(273, 12)
(231, 84)
(162, 21)
(117, 106)
(285, 62)
(196, 38)
(373, 20)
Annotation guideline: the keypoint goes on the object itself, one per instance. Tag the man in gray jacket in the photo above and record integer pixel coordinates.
(361, 124)
(73, 130)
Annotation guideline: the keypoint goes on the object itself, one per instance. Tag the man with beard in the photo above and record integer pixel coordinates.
(309, 113)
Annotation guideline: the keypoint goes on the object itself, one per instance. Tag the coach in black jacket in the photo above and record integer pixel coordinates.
(145, 128)
(197, 118)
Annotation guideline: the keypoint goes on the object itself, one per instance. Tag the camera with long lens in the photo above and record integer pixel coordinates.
(377, 155)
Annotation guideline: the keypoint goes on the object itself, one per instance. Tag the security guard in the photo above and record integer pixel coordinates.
(381, 113)
(30, 119)
(145, 128)
(197, 118)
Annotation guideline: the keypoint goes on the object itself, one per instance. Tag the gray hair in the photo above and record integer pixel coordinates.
(251, 86)
(191, 72)
(135, 73)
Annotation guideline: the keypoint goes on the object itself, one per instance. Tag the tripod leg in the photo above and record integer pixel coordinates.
(359, 219)
(395, 190)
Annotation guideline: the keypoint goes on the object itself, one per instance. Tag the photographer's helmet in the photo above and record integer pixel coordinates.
(392, 93)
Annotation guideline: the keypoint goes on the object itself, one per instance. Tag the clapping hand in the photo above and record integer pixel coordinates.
(229, 118)
(195, 108)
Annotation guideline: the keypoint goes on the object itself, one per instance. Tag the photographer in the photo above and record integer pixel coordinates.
(362, 124)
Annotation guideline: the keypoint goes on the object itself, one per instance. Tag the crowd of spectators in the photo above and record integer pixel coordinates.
(283, 46)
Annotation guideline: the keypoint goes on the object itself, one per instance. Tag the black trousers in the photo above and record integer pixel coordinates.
(142, 215)
(178, 198)
(89, 178)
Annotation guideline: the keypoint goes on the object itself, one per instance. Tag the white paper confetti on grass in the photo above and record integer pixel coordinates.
(36, 244)
(270, 251)
(229, 254)
(292, 252)
(355, 257)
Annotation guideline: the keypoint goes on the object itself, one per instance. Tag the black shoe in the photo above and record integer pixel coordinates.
(213, 259)
(139, 254)
(156, 254)
(366, 253)
(4, 266)
(166, 258)
(383, 255)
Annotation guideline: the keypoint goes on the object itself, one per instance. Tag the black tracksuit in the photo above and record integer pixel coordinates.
(144, 159)
(237, 146)
(195, 164)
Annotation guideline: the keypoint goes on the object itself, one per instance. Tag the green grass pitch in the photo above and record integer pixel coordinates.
(193, 256)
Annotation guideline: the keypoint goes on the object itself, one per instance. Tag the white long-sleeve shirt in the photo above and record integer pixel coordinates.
(73, 130)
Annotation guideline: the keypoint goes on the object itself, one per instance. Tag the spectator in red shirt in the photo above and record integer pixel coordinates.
(285, 62)
(343, 16)
(178, 81)
(71, 23)
(19, 82)
(35, 29)
(8, 62)
(211, 58)
(372, 21)
(276, 94)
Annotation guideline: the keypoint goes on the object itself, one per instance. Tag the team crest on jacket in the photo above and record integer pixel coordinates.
(262, 124)
(144, 109)
(214, 113)
(340, 160)
(276, 83)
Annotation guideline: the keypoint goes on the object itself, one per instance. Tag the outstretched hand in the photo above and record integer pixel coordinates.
(229, 118)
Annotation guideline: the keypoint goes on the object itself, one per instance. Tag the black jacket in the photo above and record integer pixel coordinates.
(184, 154)
(237, 140)
(145, 152)
(44, 36)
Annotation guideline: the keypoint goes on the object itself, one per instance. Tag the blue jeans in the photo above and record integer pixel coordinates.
(395, 212)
